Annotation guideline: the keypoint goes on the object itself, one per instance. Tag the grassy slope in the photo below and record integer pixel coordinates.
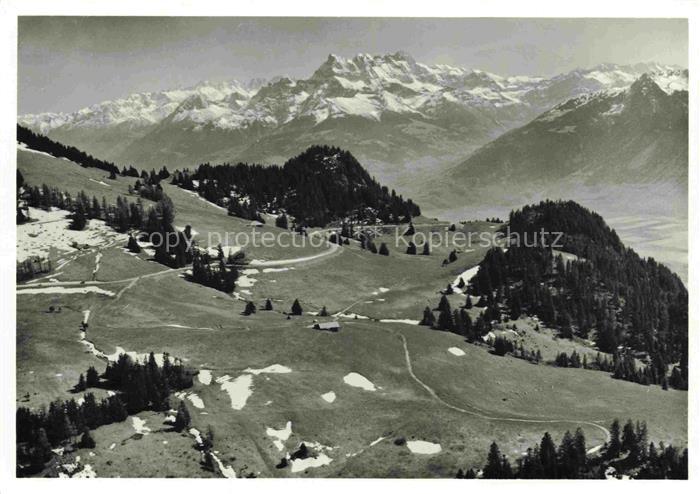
(226, 342)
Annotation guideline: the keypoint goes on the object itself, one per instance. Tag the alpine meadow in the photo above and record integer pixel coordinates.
(349, 248)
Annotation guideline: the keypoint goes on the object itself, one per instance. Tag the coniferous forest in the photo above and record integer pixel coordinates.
(321, 185)
(630, 306)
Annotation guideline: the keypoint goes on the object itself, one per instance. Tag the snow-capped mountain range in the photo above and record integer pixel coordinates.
(404, 120)
(623, 150)
(367, 86)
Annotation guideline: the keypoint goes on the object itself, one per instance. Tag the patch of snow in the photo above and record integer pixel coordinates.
(226, 249)
(423, 447)
(412, 322)
(195, 400)
(329, 397)
(275, 270)
(300, 465)
(87, 472)
(64, 290)
(204, 377)
(349, 315)
(226, 471)
(51, 231)
(467, 276)
(23, 147)
(239, 389)
(280, 435)
(244, 280)
(490, 336)
(359, 381)
(140, 426)
(99, 182)
(197, 436)
(377, 441)
(270, 369)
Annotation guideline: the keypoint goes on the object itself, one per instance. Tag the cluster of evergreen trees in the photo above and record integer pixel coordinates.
(38, 431)
(320, 185)
(629, 301)
(139, 386)
(458, 321)
(627, 452)
(366, 243)
(654, 372)
(220, 274)
(455, 321)
(121, 216)
(42, 143)
(148, 190)
(452, 257)
(146, 385)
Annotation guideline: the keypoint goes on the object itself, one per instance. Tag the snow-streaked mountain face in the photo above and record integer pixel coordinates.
(366, 86)
(143, 109)
(599, 144)
(389, 110)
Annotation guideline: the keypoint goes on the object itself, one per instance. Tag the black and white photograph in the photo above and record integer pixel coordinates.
(435, 246)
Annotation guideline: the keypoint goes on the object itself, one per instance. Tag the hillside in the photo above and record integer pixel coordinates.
(320, 185)
(601, 291)
(382, 397)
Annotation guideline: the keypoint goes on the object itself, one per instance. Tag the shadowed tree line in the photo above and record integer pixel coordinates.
(627, 453)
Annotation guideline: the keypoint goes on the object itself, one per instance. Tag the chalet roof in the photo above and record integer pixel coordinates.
(329, 325)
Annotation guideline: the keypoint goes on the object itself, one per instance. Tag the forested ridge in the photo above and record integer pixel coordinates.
(627, 304)
(320, 185)
(42, 143)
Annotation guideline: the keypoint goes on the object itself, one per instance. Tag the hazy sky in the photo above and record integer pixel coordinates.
(66, 63)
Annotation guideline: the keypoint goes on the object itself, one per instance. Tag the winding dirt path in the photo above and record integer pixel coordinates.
(485, 415)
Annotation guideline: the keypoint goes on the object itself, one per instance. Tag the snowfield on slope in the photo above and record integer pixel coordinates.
(359, 381)
(423, 447)
(51, 231)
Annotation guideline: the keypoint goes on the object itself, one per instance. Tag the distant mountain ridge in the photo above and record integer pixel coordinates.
(634, 135)
(389, 110)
